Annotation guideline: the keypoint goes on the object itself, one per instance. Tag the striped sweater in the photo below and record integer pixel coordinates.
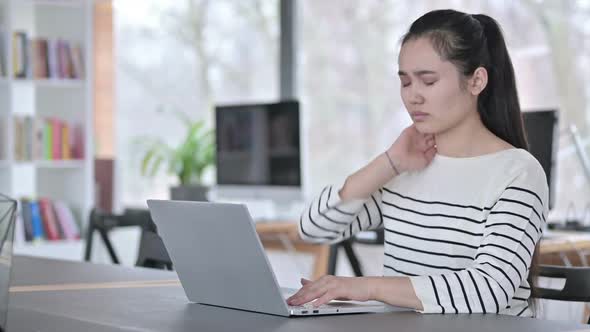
(462, 229)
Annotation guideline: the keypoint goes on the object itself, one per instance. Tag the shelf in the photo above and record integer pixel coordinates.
(61, 249)
(52, 83)
(57, 164)
(58, 3)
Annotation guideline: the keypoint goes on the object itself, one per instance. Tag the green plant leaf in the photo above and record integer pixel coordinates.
(156, 165)
(145, 162)
(187, 160)
(157, 150)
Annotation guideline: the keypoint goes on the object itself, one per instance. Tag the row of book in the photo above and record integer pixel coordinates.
(47, 139)
(45, 219)
(46, 58)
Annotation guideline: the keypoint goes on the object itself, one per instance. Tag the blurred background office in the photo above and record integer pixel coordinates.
(158, 69)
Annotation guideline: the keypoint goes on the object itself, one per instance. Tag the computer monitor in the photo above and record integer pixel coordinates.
(258, 151)
(542, 131)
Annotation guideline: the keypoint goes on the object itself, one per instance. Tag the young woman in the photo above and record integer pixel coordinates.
(462, 202)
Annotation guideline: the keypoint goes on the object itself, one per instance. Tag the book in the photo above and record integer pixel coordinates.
(56, 130)
(28, 137)
(19, 54)
(18, 139)
(36, 222)
(40, 58)
(67, 221)
(65, 142)
(48, 218)
(58, 225)
(52, 59)
(37, 137)
(47, 140)
(68, 65)
(77, 61)
(62, 59)
(77, 141)
(27, 219)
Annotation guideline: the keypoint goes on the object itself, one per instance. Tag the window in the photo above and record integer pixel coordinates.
(185, 56)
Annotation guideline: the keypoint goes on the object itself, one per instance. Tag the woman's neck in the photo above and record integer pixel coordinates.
(469, 138)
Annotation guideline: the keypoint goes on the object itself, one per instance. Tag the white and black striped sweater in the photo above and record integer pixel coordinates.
(462, 229)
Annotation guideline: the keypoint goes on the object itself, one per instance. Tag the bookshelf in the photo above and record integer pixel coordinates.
(46, 78)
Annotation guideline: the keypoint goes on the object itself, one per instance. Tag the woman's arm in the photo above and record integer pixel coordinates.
(340, 211)
(369, 179)
(411, 151)
(396, 291)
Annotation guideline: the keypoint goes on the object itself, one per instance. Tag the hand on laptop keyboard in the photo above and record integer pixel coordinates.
(329, 288)
(303, 306)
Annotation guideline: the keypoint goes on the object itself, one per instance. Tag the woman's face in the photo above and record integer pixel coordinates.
(431, 88)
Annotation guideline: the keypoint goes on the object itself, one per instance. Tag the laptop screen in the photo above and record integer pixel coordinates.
(7, 222)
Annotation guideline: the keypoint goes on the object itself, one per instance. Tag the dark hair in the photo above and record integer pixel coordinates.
(470, 42)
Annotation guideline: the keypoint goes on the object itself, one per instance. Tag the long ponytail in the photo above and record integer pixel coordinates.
(498, 103)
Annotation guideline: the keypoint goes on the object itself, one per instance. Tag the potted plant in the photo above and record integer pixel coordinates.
(187, 160)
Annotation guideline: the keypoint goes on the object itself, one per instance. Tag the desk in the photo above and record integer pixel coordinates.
(281, 235)
(560, 241)
(165, 308)
(564, 247)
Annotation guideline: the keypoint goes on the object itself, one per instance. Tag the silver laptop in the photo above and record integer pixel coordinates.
(220, 260)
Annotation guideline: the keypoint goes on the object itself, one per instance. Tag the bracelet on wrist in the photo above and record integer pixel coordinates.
(391, 163)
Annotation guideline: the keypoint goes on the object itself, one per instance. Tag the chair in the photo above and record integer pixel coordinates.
(152, 252)
(376, 237)
(576, 288)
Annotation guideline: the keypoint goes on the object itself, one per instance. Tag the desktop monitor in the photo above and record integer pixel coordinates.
(258, 152)
(542, 131)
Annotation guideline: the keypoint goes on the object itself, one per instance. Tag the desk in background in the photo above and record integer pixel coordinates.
(285, 236)
(564, 248)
